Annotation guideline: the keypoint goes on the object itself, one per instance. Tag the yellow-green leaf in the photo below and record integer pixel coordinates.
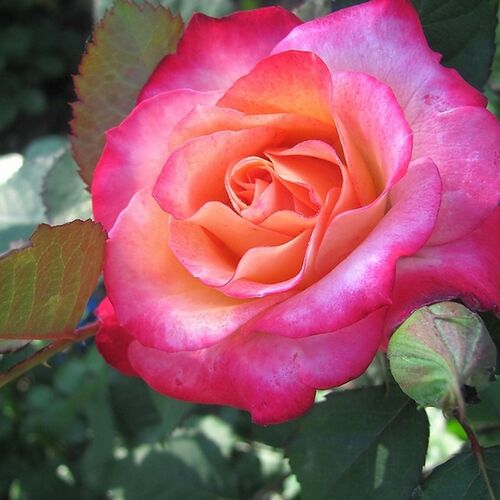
(44, 287)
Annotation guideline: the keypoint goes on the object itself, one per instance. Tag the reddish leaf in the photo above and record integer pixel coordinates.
(126, 47)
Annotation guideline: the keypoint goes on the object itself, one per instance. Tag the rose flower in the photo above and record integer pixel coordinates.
(282, 196)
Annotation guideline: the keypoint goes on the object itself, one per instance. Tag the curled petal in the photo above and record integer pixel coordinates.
(166, 308)
(123, 170)
(315, 174)
(205, 243)
(378, 146)
(223, 223)
(205, 120)
(376, 138)
(257, 263)
(363, 281)
(346, 232)
(288, 222)
(269, 270)
(208, 158)
(292, 82)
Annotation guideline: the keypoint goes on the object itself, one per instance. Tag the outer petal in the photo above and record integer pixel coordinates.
(468, 269)
(384, 38)
(272, 377)
(165, 307)
(112, 340)
(124, 169)
(465, 145)
(214, 53)
(363, 281)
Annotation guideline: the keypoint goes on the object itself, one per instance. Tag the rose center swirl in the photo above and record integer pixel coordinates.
(260, 186)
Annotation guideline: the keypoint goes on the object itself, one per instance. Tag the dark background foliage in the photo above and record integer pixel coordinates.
(41, 42)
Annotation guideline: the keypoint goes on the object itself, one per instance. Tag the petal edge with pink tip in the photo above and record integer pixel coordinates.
(468, 269)
(123, 170)
(384, 38)
(274, 378)
(213, 53)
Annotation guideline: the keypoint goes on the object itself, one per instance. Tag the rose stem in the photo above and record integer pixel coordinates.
(46, 352)
(476, 449)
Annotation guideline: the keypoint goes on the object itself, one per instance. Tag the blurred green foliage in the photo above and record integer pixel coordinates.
(46, 188)
(80, 430)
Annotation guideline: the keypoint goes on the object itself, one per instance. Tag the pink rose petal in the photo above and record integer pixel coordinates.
(363, 281)
(384, 38)
(112, 340)
(213, 53)
(468, 269)
(465, 145)
(274, 378)
(156, 300)
(137, 149)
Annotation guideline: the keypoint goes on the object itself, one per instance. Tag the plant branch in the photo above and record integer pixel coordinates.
(476, 449)
(47, 352)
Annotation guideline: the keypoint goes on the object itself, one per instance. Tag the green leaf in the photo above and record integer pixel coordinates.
(492, 323)
(172, 411)
(98, 457)
(10, 346)
(360, 443)
(132, 407)
(64, 194)
(187, 8)
(44, 287)
(21, 206)
(342, 4)
(464, 32)
(461, 479)
(141, 414)
(126, 47)
(250, 4)
(485, 416)
(187, 466)
(43, 482)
